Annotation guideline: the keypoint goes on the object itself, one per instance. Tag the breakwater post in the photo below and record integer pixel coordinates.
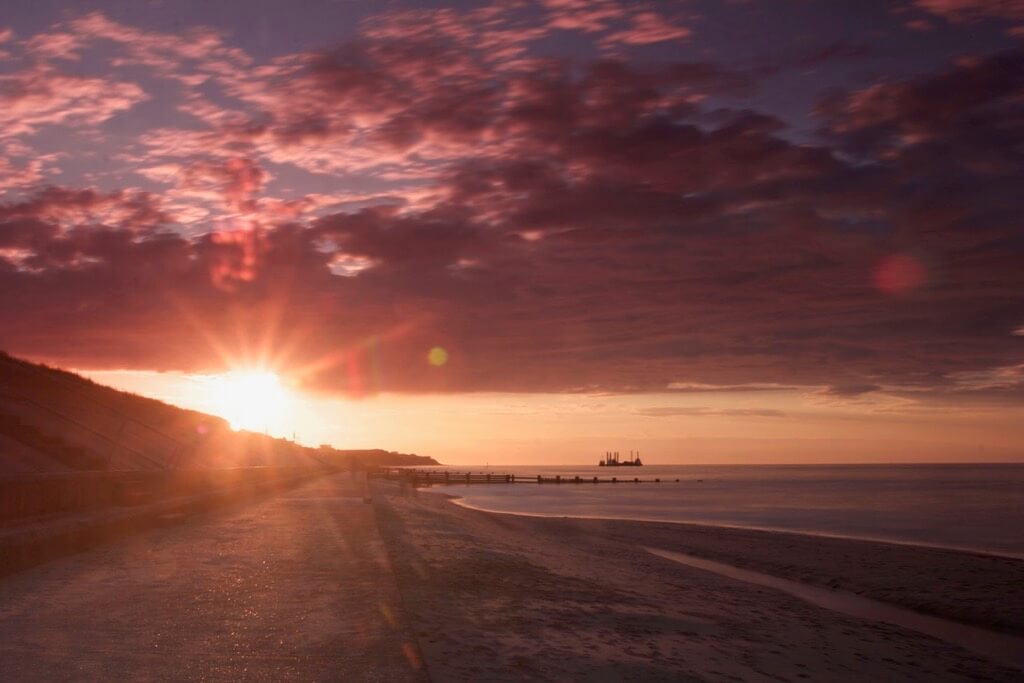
(410, 477)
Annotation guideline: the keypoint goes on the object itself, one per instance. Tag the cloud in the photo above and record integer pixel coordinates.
(402, 108)
(14, 175)
(57, 45)
(63, 209)
(696, 387)
(584, 15)
(190, 57)
(1007, 377)
(647, 28)
(555, 224)
(701, 411)
(942, 107)
(41, 96)
(832, 52)
(974, 10)
(848, 390)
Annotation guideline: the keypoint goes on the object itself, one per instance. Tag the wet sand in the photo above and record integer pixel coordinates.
(504, 597)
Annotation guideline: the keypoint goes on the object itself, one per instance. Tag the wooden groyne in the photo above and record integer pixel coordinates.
(442, 477)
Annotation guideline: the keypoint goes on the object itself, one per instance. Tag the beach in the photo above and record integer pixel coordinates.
(313, 583)
(507, 597)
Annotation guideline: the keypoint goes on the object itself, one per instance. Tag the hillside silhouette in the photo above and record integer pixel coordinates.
(52, 420)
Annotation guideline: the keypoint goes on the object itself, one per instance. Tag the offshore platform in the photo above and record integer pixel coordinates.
(611, 459)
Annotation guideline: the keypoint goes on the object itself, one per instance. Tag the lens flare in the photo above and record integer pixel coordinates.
(899, 274)
(437, 356)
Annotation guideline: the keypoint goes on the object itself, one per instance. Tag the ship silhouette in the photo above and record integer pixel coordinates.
(611, 459)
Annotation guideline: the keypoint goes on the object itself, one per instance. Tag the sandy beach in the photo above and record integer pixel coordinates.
(505, 597)
(314, 584)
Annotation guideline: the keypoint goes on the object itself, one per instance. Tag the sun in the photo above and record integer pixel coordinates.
(250, 399)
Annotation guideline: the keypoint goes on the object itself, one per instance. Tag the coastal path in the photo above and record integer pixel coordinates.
(292, 587)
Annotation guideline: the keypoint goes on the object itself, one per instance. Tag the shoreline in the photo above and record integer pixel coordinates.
(998, 647)
(967, 550)
(758, 548)
(506, 597)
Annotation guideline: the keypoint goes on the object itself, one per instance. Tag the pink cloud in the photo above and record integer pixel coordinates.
(12, 176)
(584, 15)
(973, 10)
(646, 28)
(58, 45)
(41, 96)
(199, 50)
(19, 173)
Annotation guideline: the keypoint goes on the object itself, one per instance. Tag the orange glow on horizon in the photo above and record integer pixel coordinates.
(757, 427)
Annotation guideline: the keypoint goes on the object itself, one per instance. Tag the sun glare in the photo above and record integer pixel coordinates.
(252, 400)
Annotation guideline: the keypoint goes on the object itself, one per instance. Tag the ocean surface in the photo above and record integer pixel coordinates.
(971, 507)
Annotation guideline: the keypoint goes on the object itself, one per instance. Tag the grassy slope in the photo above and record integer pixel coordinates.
(52, 420)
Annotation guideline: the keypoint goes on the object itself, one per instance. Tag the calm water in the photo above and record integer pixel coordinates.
(978, 507)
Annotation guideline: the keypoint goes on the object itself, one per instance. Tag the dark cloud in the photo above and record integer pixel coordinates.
(833, 52)
(974, 10)
(972, 108)
(556, 225)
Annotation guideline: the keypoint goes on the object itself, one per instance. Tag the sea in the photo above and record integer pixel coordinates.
(967, 507)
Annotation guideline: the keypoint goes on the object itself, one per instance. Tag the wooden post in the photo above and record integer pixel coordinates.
(558, 478)
(488, 477)
(467, 477)
(446, 476)
(538, 478)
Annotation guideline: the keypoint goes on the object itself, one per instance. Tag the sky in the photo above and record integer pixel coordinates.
(531, 230)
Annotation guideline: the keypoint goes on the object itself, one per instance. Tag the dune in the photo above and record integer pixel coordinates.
(53, 421)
